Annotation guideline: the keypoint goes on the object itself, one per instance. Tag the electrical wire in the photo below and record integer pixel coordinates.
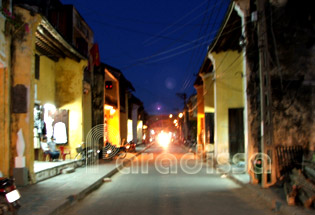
(192, 54)
(176, 29)
(145, 60)
(198, 56)
(136, 31)
(193, 10)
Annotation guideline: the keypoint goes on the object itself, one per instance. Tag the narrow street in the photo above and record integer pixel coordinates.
(165, 187)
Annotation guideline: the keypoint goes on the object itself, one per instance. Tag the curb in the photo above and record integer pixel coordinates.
(277, 205)
(72, 199)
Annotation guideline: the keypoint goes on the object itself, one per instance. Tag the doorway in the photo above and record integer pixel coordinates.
(236, 131)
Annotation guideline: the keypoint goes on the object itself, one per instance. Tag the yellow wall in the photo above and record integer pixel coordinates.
(46, 82)
(123, 125)
(113, 120)
(208, 89)
(4, 120)
(200, 115)
(69, 95)
(228, 90)
(23, 70)
(5, 79)
(87, 114)
(60, 84)
(113, 127)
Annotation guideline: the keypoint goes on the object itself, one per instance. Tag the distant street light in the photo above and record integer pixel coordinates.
(180, 115)
(171, 116)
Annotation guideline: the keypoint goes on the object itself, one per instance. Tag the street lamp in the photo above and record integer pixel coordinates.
(180, 115)
(171, 116)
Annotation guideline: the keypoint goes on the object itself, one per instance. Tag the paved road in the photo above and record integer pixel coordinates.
(161, 182)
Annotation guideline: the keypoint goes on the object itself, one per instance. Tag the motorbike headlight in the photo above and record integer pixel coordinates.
(127, 147)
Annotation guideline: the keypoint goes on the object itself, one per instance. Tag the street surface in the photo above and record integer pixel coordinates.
(161, 182)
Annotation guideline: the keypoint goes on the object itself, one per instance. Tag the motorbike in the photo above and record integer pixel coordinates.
(9, 197)
(191, 144)
(110, 151)
(130, 147)
(86, 154)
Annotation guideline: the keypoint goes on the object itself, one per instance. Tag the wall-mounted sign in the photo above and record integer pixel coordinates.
(19, 99)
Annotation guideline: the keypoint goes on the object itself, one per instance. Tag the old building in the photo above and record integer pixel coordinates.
(285, 63)
(136, 120)
(220, 88)
(261, 70)
(111, 107)
(49, 88)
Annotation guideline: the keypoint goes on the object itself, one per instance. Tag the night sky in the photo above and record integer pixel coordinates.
(158, 45)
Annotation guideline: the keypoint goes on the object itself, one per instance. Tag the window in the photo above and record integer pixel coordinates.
(37, 58)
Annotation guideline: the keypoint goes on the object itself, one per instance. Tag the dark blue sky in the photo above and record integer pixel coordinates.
(158, 45)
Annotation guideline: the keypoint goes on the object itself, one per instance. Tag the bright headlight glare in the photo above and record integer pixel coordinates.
(164, 139)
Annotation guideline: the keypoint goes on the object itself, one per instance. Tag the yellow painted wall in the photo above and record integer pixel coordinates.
(123, 125)
(87, 114)
(228, 90)
(5, 79)
(208, 89)
(61, 83)
(4, 120)
(113, 120)
(65, 92)
(200, 115)
(46, 82)
(113, 127)
(69, 95)
(23, 70)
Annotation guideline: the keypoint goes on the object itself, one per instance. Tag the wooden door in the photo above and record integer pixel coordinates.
(236, 131)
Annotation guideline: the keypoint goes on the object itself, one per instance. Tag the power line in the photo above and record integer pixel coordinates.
(188, 82)
(192, 54)
(176, 29)
(145, 60)
(166, 57)
(149, 39)
(136, 31)
(222, 61)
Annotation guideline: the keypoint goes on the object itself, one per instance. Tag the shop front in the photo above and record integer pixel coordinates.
(50, 124)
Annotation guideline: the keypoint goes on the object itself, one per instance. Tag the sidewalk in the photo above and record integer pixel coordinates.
(273, 196)
(55, 194)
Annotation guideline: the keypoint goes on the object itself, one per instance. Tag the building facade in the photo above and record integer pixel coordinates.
(45, 78)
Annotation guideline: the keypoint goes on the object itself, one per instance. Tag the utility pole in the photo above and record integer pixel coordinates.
(184, 97)
(266, 142)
